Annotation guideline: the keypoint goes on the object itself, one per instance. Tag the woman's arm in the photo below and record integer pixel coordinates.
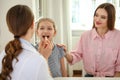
(63, 69)
(67, 55)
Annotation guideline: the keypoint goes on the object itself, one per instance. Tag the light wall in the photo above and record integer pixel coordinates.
(76, 34)
(5, 35)
(58, 10)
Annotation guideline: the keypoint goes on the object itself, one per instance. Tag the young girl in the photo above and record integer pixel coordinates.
(20, 60)
(46, 31)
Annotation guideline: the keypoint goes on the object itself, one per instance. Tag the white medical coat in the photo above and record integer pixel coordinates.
(31, 65)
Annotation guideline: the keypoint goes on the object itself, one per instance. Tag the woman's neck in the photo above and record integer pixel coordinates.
(102, 31)
(25, 38)
(28, 35)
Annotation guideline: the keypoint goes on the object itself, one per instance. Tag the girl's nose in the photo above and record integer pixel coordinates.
(45, 30)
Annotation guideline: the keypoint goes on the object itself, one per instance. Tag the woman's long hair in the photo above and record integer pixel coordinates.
(110, 9)
(19, 18)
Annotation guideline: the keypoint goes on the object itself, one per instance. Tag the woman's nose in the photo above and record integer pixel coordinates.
(98, 19)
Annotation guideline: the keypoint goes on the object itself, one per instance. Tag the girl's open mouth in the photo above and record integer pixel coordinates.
(45, 36)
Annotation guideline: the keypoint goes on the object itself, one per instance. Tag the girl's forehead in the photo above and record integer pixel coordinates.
(45, 24)
(46, 21)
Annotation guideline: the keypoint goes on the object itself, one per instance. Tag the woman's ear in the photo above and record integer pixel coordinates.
(33, 25)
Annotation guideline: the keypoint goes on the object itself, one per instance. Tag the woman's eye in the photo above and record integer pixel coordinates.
(103, 17)
(96, 15)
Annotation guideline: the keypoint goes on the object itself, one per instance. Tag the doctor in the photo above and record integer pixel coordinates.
(19, 60)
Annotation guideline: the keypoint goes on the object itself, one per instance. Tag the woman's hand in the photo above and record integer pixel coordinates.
(63, 46)
(45, 48)
(67, 55)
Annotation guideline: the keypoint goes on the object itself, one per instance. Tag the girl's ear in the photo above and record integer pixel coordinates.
(55, 33)
(36, 31)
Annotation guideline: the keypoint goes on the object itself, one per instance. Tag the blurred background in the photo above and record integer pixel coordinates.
(72, 18)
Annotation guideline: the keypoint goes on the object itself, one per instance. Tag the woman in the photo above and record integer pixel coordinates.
(99, 48)
(19, 60)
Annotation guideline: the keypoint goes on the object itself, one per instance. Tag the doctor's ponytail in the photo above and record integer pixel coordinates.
(19, 19)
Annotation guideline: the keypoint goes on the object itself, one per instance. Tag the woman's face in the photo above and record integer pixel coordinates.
(100, 18)
(46, 29)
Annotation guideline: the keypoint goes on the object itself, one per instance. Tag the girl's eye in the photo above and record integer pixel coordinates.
(49, 28)
(41, 28)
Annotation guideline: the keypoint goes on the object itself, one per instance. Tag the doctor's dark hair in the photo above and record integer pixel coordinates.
(19, 19)
(110, 9)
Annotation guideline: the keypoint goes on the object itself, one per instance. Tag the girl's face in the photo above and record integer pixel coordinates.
(100, 18)
(46, 29)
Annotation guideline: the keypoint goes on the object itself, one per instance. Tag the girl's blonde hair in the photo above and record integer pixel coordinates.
(46, 19)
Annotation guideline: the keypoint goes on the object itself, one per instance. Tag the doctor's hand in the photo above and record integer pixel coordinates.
(45, 48)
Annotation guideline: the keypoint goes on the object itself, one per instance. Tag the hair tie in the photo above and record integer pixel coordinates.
(16, 37)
